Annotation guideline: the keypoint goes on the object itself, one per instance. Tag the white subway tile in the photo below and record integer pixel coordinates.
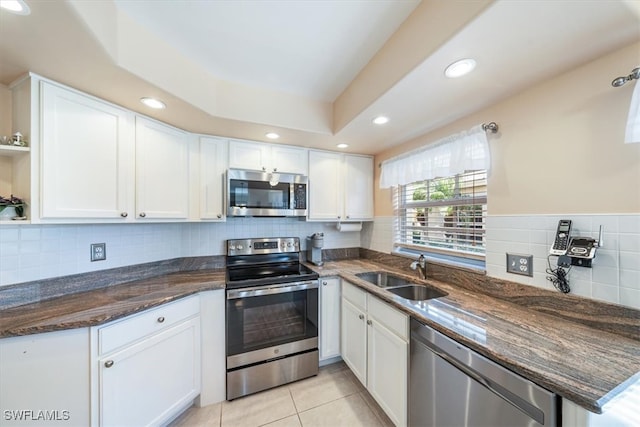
(605, 292)
(630, 279)
(630, 297)
(628, 242)
(629, 224)
(629, 260)
(605, 275)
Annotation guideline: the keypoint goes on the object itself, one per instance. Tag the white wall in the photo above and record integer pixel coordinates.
(615, 276)
(32, 252)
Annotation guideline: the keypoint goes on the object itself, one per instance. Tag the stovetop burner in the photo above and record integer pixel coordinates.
(255, 262)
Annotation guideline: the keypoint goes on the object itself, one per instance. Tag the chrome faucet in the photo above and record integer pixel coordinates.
(420, 263)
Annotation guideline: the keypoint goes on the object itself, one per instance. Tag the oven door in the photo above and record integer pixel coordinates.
(267, 322)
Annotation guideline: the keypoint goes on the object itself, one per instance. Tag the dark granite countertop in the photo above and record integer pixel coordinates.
(103, 305)
(585, 365)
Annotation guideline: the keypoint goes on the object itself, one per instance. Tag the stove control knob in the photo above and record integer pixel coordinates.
(289, 245)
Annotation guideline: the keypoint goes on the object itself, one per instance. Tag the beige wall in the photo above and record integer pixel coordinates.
(5, 111)
(560, 147)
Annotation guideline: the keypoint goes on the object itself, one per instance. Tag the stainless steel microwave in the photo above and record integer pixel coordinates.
(254, 193)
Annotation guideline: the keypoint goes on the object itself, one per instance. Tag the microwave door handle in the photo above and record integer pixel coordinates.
(270, 290)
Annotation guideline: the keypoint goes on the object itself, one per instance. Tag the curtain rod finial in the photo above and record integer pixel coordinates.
(490, 127)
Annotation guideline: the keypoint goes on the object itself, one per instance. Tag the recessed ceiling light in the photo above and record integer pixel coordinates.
(380, 120)
(460, 68)
(19, 7)
(153, 103)
(272, 135)
(343, 145)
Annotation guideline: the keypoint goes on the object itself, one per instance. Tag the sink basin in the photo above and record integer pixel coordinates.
(383, 279)
(417, 293)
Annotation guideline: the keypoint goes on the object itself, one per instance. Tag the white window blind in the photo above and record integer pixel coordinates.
(444, 215)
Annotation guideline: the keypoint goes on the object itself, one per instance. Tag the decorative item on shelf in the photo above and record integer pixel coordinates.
(5, 140)
(18, 140)
(12, 207)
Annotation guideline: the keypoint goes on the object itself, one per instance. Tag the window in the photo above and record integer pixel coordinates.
(443, 215)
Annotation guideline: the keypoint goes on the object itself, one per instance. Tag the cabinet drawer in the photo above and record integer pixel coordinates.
(138, 326)
(394, 320)
(357, 296)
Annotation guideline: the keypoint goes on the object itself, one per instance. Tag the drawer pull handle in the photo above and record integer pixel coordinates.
(108, 363)
(361, 317)
(324, 283)
(160, 319)
(369, 322)
(124, 214)
(142, 214)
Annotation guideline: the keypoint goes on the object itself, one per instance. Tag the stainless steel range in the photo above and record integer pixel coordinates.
(272, 315)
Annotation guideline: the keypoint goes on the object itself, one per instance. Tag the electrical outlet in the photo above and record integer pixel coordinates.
(98, 251)
(520, 264)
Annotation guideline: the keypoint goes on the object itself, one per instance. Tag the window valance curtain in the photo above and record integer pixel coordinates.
(468, 150)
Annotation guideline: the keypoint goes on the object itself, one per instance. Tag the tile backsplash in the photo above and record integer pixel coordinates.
(615, 276)
(32, 252)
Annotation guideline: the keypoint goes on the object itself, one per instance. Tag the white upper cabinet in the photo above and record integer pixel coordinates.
(162, 171)
(267, 157)
(325, 186)
(340, 187)
(358, 184)
(213, 163)
(86, 158)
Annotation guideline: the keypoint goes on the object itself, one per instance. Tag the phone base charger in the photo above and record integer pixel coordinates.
(564, 261)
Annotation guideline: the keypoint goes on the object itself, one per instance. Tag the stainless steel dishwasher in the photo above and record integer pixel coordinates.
(451, 385)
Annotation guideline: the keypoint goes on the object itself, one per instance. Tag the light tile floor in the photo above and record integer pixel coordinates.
(333, 398)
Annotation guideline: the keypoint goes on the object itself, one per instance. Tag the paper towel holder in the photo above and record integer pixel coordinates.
(349, 226)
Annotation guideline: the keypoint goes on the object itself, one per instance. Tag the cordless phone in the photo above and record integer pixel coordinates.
(561, 242)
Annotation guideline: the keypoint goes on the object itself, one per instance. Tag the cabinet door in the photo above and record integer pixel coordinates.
(289, 160)
(358, 182)
(147, 383)
(329, 317)
(325, 186)
(213, 153)
(87, 152)
(249, 155)
(353, 333)
(387, 371)
(162, 171)
(45, 372)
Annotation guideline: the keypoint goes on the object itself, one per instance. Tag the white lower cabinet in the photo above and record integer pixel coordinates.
(329, 317)
(44, 379)
(375, 345)
(148, 365)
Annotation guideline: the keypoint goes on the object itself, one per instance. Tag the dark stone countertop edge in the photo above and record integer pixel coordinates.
(592, 401)
(103, 305)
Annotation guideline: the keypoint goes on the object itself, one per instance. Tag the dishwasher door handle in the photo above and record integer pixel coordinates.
(531, 410)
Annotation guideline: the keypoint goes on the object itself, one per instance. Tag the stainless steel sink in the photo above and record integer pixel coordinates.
(417, 292)
(383, 279)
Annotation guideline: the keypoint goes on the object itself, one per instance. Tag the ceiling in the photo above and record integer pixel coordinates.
(316, 72)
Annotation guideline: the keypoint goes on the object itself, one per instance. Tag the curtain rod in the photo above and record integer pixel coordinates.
(490, 127)
(619, 81)
(487, 127)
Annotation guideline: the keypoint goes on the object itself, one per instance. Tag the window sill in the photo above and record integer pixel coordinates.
(473, 265)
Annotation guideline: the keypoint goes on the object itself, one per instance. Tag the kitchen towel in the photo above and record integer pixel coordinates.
(632, 134)
(349, 226)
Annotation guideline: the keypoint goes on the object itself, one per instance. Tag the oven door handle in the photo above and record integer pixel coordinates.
(271, 290)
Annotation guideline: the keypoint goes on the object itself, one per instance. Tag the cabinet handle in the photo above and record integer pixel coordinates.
(160, 319)
(264, 169)
(108, 363)
(219, 216)
(348, 216)
(324, 283)
(275, 169)
(369, 322)
(339, 217)
(124, 214)
(361, 317)
(142, 214)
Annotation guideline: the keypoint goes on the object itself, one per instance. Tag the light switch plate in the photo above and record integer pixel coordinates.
(520, 264)
(98, 252)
